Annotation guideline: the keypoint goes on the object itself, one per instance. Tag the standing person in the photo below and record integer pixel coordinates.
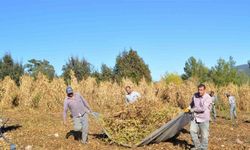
(131, 96)
(200, 106)
(214, 99)
(79, 109)
(232, 104)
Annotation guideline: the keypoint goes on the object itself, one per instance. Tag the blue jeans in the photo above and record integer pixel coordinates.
(81, 124)
(202, 129)
(233, 111)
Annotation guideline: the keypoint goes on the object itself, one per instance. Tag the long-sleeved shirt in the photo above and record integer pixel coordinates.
(201, 106)
(214, 99)
(132, 97)
(231, 100)
(77, 105)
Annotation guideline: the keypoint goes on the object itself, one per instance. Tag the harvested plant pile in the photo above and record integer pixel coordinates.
(136, 121)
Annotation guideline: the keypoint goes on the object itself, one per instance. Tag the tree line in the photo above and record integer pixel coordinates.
(223, 73)
(128, 65)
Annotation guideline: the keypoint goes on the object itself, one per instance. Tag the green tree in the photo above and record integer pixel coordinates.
(195, 69)
(172, 78)
(10, 68)
(225, 72)
(81, 68)
(43, 66)
(248, 64)
(130, 65)
(106, 73)
(97, 76)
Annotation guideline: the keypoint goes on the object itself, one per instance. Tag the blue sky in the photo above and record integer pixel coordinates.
(164, 32)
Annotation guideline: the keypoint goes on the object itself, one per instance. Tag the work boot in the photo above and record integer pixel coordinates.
(78, 135)
(70, 133)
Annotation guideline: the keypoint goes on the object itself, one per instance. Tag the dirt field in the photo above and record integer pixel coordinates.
(37, 130)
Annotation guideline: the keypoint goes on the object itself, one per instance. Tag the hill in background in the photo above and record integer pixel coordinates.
(244, 68)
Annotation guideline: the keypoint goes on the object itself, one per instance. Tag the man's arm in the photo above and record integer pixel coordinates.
(191, 105)
(85, 103)
(128, 99)
(138, 95)
(65, 109)
(231, 100)
(214, 100)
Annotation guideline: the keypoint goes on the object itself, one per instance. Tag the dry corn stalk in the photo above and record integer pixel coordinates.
(41, 93)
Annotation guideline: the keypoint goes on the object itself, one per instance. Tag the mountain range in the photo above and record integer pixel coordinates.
(244, 68)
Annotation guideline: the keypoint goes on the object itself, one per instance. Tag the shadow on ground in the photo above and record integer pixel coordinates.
(100, 136)
(180, 143)
(10, 128)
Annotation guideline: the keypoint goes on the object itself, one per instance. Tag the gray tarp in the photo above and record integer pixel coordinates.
(168, 130)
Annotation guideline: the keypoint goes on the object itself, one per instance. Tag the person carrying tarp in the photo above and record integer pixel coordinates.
(79, 109)
(214, 100)
(200, 107)
(131, 96)
(232, 104)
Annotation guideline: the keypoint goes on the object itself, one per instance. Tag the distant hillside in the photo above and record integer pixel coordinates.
(244, 68)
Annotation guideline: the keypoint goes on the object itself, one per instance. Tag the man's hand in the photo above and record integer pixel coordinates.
(187, 110)
(90, 111)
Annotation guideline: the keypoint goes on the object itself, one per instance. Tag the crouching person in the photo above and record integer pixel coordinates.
(79, 109)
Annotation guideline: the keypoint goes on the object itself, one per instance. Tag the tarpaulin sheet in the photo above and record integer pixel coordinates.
(168, 130)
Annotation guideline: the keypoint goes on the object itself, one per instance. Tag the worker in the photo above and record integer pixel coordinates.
(232, 104)
(131, 95)
(200, 106)
(79, 109)
(214, 100)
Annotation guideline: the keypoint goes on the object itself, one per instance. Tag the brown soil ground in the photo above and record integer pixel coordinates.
(37, 130)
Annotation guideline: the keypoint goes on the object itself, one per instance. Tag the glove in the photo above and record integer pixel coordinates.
(187, 110)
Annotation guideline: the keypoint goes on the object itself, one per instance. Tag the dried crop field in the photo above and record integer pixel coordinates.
(36, 105)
